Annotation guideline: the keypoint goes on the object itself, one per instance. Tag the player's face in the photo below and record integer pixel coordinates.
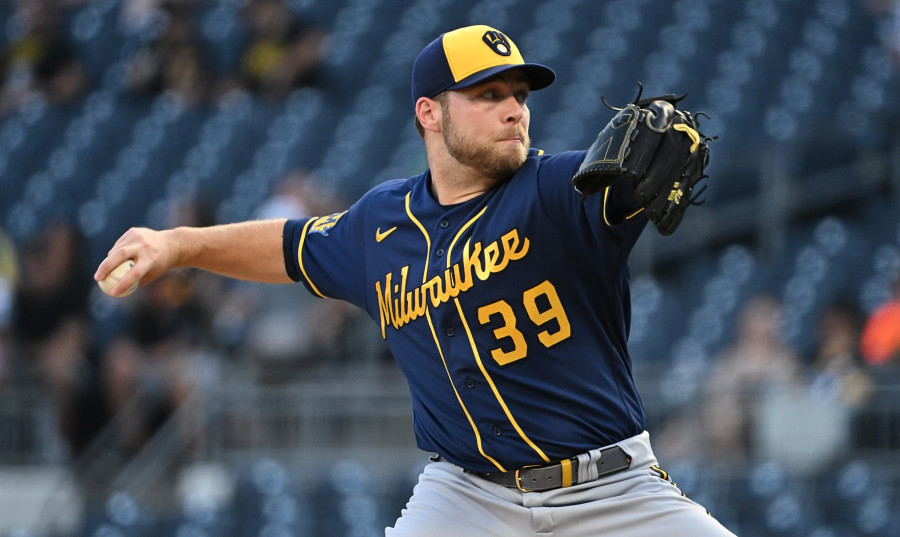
(486, 126)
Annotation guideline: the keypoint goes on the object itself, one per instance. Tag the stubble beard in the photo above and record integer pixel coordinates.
(497, 164)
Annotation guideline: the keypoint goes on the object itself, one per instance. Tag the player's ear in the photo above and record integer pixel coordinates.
(428, 112)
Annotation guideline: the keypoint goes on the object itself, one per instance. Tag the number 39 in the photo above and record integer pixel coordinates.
(537, 316)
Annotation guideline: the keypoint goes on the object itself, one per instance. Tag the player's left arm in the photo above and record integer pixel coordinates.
(583, 224)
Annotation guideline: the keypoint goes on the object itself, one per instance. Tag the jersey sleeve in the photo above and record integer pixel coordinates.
(595, 220)
(325, 253)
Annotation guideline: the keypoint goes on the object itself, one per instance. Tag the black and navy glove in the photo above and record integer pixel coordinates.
(659, 149)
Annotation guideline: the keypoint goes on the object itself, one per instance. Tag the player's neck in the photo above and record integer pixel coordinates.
(453, 182)
(450, 194)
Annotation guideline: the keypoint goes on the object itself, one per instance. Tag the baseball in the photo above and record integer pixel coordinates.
(107, 284)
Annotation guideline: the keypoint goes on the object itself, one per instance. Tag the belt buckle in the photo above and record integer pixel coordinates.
(518, 478)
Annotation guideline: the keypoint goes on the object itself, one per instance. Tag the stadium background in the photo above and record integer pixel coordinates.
(201, 406)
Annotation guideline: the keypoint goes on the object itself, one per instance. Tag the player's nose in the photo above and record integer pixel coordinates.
(513, 110)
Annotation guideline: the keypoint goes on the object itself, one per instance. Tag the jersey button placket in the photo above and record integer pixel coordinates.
(439, 251)
(497, 430)
(449, 331)
(470, 383)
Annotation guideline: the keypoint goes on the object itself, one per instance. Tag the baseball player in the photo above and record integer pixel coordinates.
(503, 293)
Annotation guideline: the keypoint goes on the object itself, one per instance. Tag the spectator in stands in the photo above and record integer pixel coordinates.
(177, 310)
(148, 368)
(807, 428)
(39, 61)
(283, 51)
(333, 331)
(52, 329)
(757, 361)
(291, 199)
(138, 378)
(173, 62)
(836, 367)
(136, 16)
(880, 343)
(887, 11)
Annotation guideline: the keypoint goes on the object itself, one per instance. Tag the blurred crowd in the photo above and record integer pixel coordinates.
(765, 399)
(96, 356)
(278, 51)
(889, 12)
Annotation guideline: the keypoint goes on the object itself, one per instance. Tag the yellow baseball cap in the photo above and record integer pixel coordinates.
(468, 55)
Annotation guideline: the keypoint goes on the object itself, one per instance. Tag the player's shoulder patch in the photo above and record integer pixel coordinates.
(324, 223)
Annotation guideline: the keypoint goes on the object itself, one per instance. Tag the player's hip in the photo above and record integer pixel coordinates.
(598, 466)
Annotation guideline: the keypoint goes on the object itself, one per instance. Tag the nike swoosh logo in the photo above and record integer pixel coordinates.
(379, 236)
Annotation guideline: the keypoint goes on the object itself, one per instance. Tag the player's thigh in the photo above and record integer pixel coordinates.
(645, 506)
(445, 503)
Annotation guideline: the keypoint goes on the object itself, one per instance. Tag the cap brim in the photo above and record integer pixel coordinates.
(539, 76)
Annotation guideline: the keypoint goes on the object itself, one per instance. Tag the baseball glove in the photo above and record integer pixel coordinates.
(659, 149)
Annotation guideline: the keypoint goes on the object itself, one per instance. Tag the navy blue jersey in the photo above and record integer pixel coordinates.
(507, 313)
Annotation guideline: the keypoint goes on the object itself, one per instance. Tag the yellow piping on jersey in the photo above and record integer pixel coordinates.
(300, 258)
(438, 344)
(478, 357)
(606, 220)
(427, 238)
(465, 227)
(490, 381)
(459, 399)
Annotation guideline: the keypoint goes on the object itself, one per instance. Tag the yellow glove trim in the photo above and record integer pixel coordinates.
(694, 135)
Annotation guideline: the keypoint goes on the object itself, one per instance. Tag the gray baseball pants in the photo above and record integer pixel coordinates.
(451, 502)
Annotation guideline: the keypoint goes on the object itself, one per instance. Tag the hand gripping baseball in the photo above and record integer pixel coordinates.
(659, 149)
(151, 252)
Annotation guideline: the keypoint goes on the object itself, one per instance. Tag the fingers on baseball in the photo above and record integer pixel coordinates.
(114, 258)
(119, 280)
(127, 248)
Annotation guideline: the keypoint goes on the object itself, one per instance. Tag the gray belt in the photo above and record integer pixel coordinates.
(559, 474)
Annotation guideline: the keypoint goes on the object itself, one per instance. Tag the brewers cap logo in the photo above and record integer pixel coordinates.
(459, 59)
(498, 42)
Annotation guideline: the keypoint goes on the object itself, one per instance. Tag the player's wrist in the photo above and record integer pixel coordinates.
(176, 248)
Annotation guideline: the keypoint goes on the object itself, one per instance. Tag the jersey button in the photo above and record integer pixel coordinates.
(496, 430)
(470, 383)
(449, 331)
(439, 252)
(444, 223)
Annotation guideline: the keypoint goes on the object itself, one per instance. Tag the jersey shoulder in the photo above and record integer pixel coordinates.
(390, 190)
(563, 164)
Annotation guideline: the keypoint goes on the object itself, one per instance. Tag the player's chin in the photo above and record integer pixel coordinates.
(509, 164)
(518, 155)
(514, 149)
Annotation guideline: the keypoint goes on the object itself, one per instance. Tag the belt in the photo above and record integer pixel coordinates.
(559, 474)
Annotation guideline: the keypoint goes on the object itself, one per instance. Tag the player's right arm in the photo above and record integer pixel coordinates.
(247, 251)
